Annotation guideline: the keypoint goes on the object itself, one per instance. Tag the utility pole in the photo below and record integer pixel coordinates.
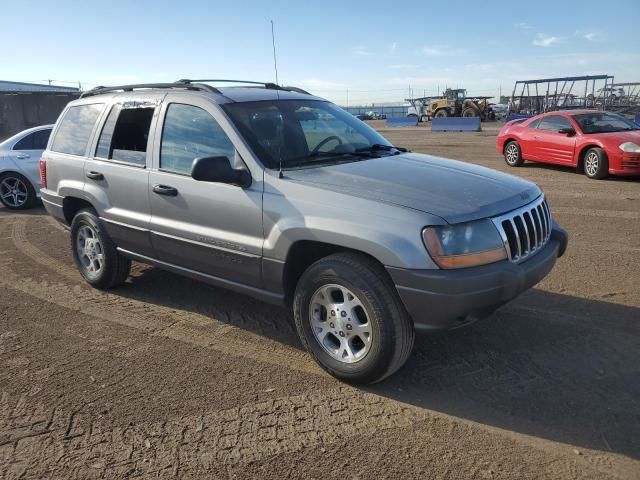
(347, 98)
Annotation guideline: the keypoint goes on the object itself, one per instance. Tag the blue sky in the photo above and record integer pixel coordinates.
(376, 50)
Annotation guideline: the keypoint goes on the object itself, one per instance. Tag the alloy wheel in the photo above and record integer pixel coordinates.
(90, 251)
(511, 153)
(340, 323)
(591, 164)
(13, 192)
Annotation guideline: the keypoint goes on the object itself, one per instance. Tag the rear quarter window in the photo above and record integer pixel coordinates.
(74, 131)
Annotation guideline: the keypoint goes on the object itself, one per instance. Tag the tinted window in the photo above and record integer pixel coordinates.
(34, 141)
(190, 132)
(26, 143)
(554, 123)
(534, 124)
(125, 135)
(40, 139)
(75, 129)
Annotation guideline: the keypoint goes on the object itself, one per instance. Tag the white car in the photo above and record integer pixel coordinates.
(20, 169)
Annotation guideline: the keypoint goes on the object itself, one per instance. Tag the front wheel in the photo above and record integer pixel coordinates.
(596, 164)
(350, 318)
(95, 254)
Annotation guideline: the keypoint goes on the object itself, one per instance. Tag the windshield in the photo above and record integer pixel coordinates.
(602, 122)
(303, 132)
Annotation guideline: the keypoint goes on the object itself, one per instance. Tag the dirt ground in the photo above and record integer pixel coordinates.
(166, 377)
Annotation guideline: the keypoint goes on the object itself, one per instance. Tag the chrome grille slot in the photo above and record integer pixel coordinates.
(526, 230)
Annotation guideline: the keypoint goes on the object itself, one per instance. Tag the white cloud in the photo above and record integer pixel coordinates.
(544, 40)
(393, 47)
(361, 50)
(523, 25)
(593, 36)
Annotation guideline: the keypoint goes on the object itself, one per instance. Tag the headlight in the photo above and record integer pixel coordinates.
(630, 147)
(464, 245)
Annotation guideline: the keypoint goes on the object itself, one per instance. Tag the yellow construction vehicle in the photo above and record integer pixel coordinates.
(456, 103)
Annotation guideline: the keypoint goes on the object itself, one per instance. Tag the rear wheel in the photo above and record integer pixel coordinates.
(441, 113)
(513, 154)
(350, 318)
(16, 191)
(596, 164)
(95, 254)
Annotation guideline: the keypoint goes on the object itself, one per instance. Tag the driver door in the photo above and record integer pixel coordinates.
(552, 146)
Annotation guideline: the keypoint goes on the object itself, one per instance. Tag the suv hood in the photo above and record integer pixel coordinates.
(452, 190)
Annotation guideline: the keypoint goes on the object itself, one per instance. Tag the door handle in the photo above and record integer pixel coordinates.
(165, 190)
(22, 156)
(95, 176)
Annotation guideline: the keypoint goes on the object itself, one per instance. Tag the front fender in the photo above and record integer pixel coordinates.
(389, 233)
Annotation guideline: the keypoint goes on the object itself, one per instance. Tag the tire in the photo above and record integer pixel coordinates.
(16, 191)
(350, 278)
(596, 164)
(441, 113)
(469, 112)
(95, 254)
(513, 154)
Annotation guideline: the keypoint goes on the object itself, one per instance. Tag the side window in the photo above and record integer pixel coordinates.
(40, 139)
(125, 135)
(26, 143)
(190, 132)
(534, 124)
(34, 141)
(554, 123)
(75, 129)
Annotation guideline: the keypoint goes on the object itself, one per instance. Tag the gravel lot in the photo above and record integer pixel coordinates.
(167, 377)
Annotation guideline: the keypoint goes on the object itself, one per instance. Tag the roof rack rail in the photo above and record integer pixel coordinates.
(129, 88)
(268, 85)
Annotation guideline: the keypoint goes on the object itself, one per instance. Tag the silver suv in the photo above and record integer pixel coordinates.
(281, 195)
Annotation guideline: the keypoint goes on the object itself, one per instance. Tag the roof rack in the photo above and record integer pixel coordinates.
(187, 84)
(268, 85)
(129, 88)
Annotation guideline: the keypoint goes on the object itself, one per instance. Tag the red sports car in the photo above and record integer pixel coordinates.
(596, 142)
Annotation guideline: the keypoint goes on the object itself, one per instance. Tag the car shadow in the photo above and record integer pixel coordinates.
(572, 170)
(555, 366)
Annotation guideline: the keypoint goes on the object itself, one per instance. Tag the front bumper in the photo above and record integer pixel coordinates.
(446, 299)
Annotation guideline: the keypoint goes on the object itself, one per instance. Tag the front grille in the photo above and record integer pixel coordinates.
(526, 230)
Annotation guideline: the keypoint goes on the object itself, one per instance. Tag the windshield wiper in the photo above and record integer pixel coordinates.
(381, 147)
(322, 157)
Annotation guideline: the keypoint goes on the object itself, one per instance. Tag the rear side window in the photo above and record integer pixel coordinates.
(190, 132)
(534, 124)
(75, 129)
(125, 135)
(554, 123)
(34, 141)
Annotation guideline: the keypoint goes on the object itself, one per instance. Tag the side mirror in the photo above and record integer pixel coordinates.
(219, 170)
(569, 131)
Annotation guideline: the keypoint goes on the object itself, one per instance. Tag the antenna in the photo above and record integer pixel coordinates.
(275, 67)
(273, 43)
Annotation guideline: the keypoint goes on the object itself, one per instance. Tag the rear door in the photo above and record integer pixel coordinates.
(212, 228)
(69, 146)
(117, 171)
(552, 146)
(26, 154)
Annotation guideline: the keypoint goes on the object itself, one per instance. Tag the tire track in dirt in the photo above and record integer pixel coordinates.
(158, 320)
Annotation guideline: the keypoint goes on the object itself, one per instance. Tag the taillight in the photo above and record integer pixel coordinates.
(43, 172)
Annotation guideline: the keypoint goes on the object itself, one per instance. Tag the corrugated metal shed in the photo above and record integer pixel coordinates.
(7, 86)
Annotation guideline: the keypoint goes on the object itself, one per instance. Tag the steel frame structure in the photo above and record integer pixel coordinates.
(547, 94)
